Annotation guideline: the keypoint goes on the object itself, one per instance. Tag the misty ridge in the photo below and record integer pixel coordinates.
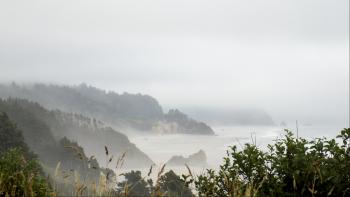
(43, 130)
(124, 111)
(132, 111)
(87, 115)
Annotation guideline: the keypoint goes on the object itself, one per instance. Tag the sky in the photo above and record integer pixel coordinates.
(290, 58)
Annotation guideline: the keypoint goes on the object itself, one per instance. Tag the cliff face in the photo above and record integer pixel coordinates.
(186, 124)
(136, 111)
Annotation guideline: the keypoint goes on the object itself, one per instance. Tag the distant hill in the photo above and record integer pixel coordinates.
(135, 111)
(196, 159)
(46, 133)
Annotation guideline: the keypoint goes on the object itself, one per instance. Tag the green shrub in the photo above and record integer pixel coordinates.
(291, 167)
(21, 177)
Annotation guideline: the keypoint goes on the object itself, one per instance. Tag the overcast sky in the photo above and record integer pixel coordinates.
(288, 57)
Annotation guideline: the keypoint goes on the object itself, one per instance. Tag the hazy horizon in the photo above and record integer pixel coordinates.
(290, 59)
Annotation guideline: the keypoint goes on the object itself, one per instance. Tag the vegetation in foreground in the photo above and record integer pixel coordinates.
(292, 167)
(20, 172)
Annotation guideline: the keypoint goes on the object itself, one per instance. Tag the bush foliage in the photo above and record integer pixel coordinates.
(21, 177)
(291, 167)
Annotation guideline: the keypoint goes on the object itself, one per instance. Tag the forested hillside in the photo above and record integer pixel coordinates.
(47, 132)
(135, 111)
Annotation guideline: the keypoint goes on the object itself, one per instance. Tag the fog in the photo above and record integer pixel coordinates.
(108, 94)
(289, 58)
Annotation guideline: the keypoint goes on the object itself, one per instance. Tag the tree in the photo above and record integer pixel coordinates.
(20, 173)
(134, 185)
(11, 137)
(171, 185)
